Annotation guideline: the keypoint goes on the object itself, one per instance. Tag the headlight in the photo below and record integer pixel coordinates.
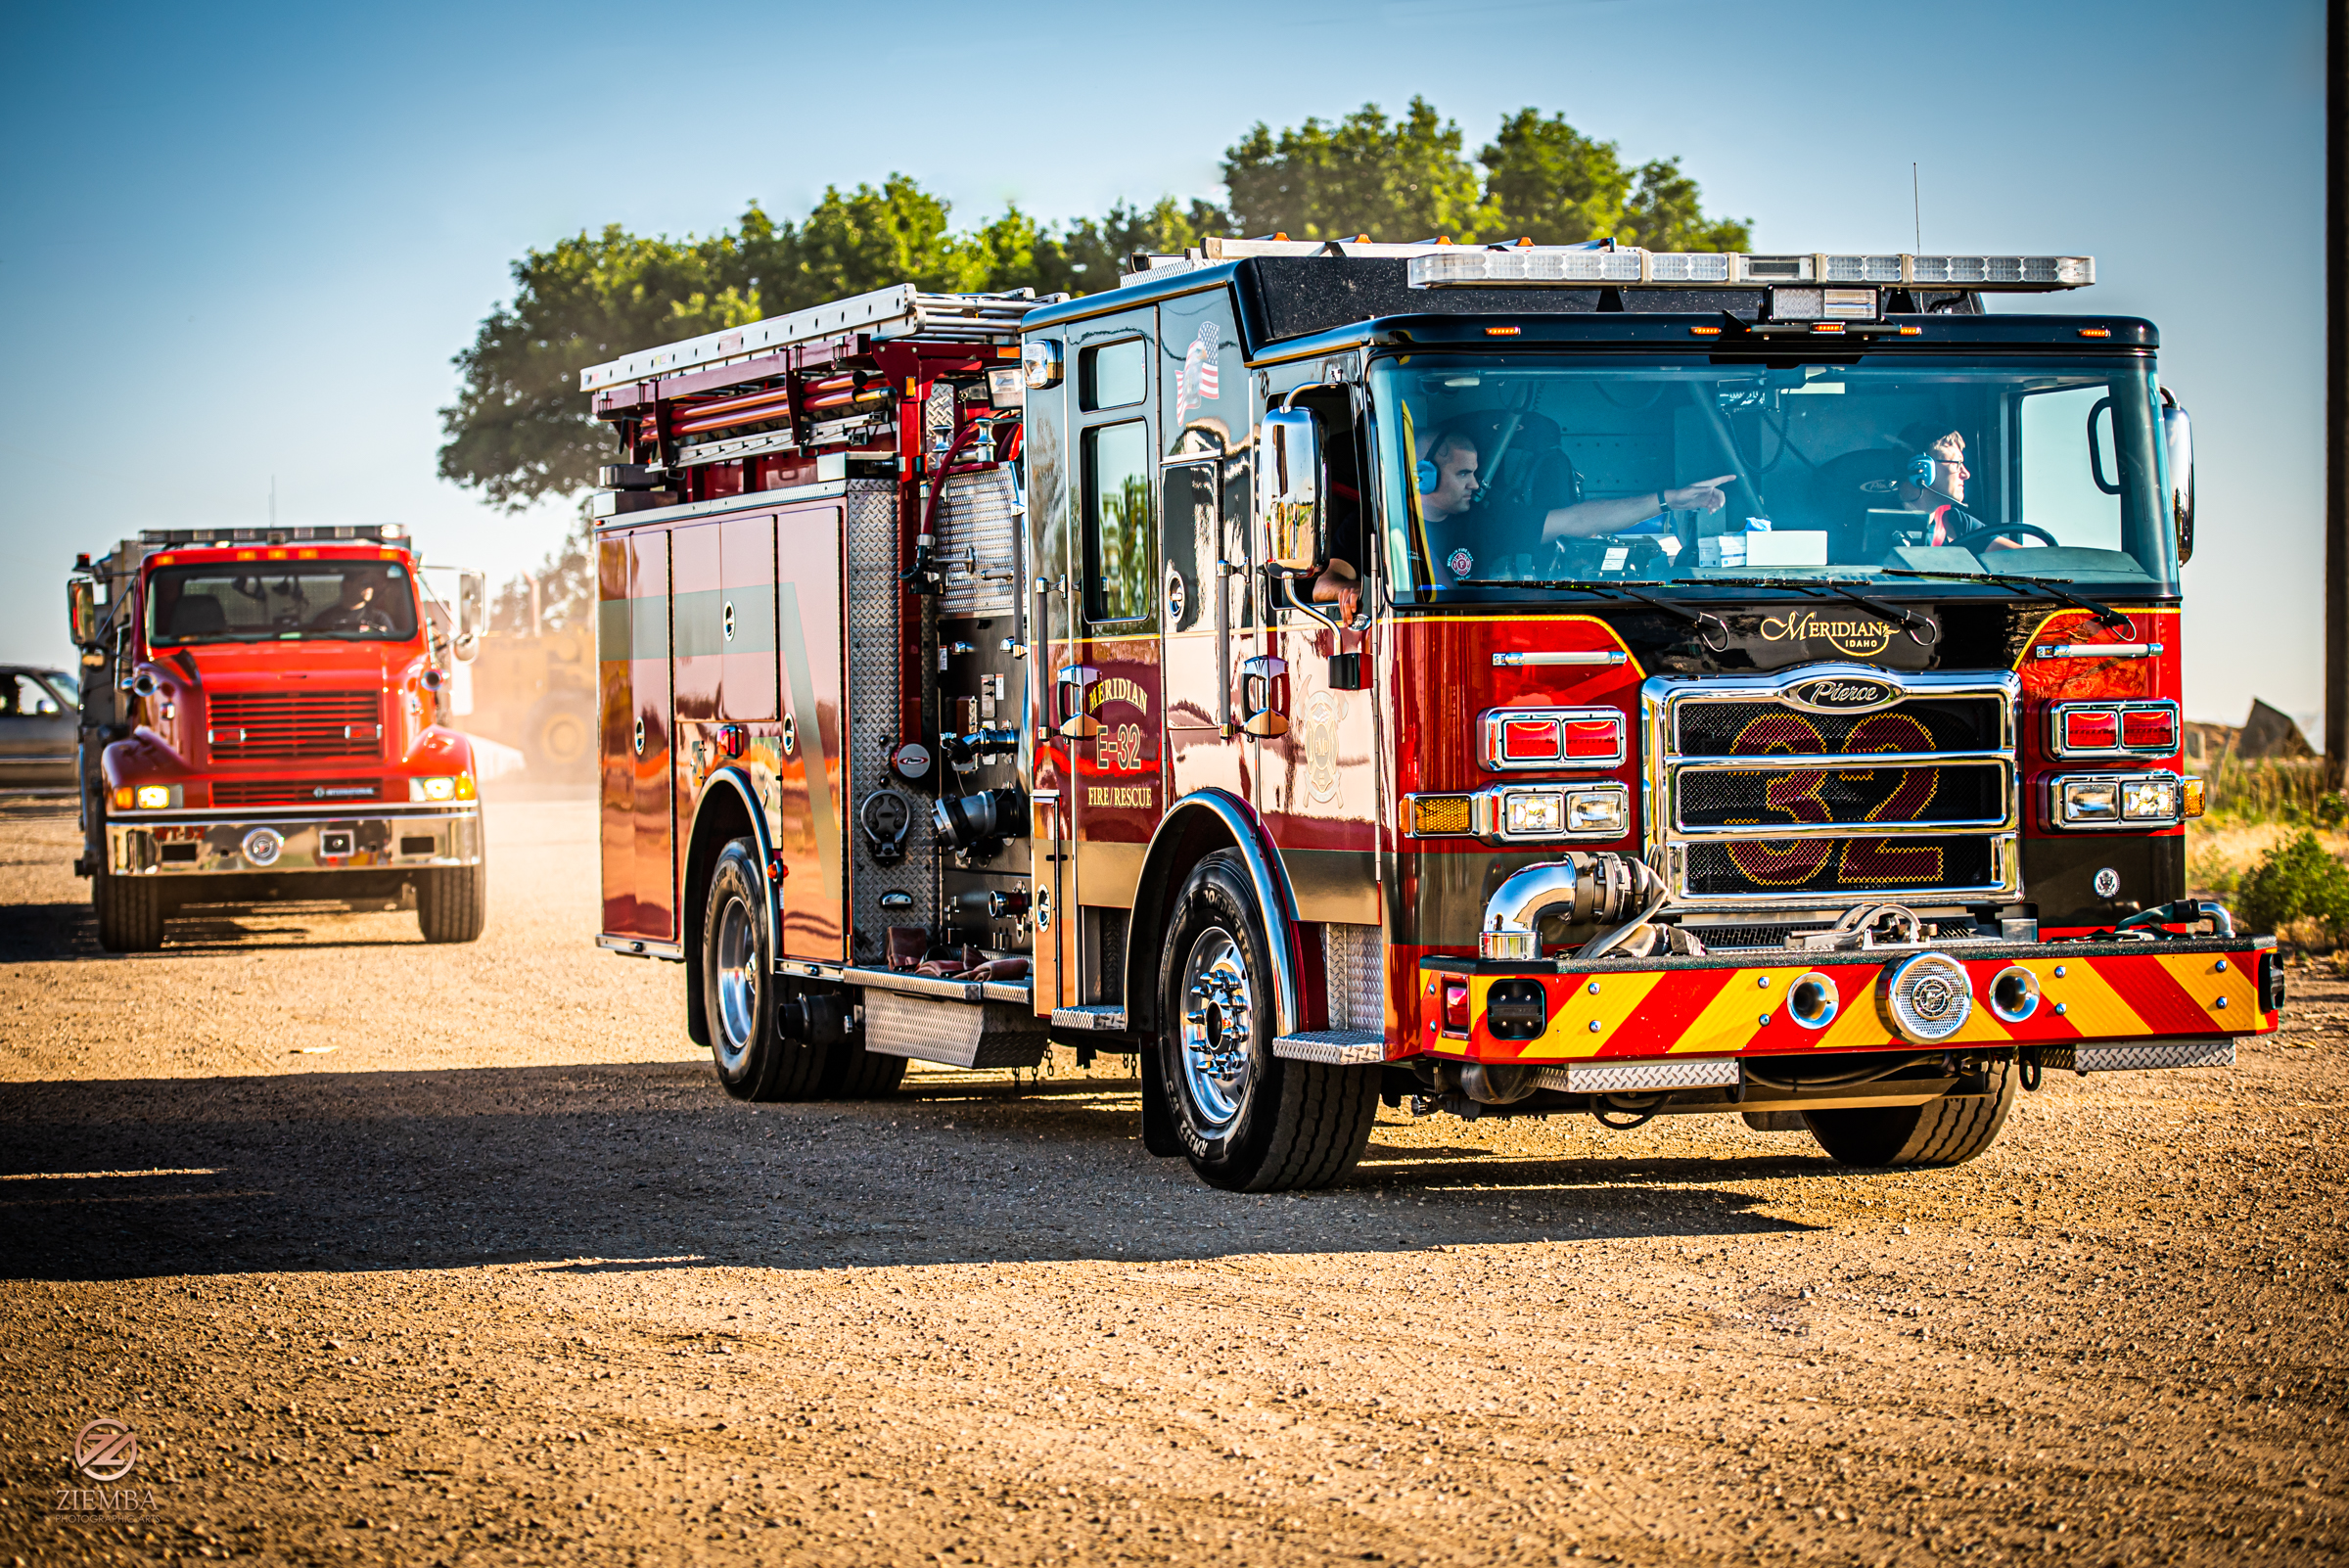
(1519, 813)
(1598, 813)
(457, 788)
(2118, 799)
(1525, 811)
(2149, 799)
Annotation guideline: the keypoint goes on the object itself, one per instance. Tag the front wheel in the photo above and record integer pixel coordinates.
(130, 912)
(452, 902)
(1248, 1120)
(1940, 1132)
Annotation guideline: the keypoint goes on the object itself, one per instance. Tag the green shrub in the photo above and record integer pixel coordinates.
(2298, 880)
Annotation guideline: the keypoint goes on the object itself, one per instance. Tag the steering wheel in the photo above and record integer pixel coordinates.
(371, 619)
(1995, 530)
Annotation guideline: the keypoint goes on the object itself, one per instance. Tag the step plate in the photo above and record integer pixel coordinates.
(951, 1034)
(1338, 1048)
(1093, 1020)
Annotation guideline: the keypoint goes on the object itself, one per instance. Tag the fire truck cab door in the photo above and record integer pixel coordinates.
(1103, 702)
(638, 828)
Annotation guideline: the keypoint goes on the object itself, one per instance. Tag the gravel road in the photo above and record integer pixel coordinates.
(458, 1255)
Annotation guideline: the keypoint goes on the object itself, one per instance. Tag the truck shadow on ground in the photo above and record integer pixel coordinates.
(650, 1166)
(51, 933)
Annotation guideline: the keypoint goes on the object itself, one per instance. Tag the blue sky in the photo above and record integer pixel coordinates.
(241, 242)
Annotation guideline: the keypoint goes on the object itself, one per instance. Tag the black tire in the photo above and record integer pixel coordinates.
(452, 902)
(130, 912)
(1248, 1120)
(738, 988)
(857, 1073)
(1944, 1132)
(558, 738)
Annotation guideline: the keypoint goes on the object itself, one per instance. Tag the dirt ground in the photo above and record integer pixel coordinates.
(397, 1255)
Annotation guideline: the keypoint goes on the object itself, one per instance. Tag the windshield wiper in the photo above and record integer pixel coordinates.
(1610, 590)
(2014, 582)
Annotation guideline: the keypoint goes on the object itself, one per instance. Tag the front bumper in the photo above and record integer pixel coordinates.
(2170, 1003)
(212, 842)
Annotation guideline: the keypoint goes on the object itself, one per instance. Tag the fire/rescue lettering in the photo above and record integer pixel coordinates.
(1120, 798)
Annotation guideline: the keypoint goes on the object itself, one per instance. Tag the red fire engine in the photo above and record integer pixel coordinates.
(1521, 679)
(261, 725)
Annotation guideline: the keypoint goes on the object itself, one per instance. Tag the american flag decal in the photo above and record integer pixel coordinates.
(1198, 384)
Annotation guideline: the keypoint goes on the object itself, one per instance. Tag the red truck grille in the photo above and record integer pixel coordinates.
(256, 726)
(270, 792)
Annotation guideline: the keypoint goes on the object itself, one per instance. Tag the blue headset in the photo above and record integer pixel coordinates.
(1428, 476)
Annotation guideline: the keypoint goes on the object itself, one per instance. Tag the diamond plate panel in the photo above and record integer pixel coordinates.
(2146, 1056)
(1640, 1078)
(1339, 1047)
(1355, 958)
(873, 676)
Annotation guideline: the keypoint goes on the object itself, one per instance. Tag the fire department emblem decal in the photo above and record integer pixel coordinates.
(1324, 711)
(1461, 562)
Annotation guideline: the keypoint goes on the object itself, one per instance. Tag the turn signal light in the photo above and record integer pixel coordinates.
(2149, 729)
(1436, 816)
(2191, 799)
(2096, 730)
(1515, 738)
(2113, 729)
(1595, 739)
(1456, 1005)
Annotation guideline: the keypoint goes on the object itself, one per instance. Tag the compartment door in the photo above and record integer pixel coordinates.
(635, 752)
(810, 771)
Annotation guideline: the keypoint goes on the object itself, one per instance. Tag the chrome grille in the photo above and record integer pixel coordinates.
(1760, 796)
(272, 727)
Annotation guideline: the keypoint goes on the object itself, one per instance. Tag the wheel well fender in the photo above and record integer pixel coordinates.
(1194, 827)
(729, 809)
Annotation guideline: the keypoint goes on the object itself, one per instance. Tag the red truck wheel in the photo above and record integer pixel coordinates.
(1248, 1120)
(1944, 1132)
(452, 902)
(130, 912)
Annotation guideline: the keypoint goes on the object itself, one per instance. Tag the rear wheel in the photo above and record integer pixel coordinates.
(130, 912)
(1944, 1132)
(452, 902)
(1246, 1120)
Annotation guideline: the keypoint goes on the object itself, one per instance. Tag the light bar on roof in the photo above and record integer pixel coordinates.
(1535, 265)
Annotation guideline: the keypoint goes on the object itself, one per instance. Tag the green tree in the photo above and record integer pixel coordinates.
(1548, 182)
(1663, 214)
(519, 429)
(853, 244)
(1396, 180)
(1093, 251)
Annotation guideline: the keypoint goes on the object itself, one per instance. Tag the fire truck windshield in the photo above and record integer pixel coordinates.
(242, 602)
(1504, 472)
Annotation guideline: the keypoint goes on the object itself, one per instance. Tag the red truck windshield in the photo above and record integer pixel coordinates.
(236, 602)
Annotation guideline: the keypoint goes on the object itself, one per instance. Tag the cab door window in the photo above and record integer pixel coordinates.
(1121, 544)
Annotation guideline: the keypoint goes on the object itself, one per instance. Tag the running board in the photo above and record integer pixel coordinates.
(1335, 1047)
(2131, 1056)
(1092, 1020)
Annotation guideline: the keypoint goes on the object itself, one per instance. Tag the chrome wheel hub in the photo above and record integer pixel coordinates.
(736, 985)
(1219, 1019)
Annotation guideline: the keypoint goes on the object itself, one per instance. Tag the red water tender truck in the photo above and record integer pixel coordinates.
(261, 724)
(1519, 680)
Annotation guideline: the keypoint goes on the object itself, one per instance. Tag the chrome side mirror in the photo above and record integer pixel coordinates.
(472, 603)
(2177, 435)
(1040, 363)
(1288, 490)
(81, 612)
